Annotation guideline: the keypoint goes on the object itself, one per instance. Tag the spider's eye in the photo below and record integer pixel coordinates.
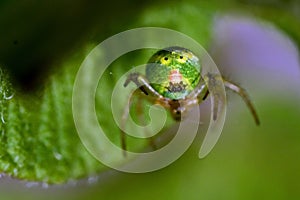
(182, 59)
(165, 60)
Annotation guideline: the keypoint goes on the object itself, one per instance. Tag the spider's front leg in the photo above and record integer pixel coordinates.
(142, 83)
(214, 84)
(209, 84)
(215, 89)
(242, 92)
(180, 107)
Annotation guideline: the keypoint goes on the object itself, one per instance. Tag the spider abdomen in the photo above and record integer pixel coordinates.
(173, 72)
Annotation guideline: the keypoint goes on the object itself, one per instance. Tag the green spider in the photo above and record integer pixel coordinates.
(173, 80)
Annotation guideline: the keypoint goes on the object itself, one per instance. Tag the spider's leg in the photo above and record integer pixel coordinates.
(242, 92)
(146, 88)
(142, 117)
(200, 92)
(181, 107)
(209, 84)
(136, 94)
(142, 83)
(216, 90)
(123, 123)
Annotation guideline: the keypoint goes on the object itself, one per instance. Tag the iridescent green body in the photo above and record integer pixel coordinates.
(173, 72)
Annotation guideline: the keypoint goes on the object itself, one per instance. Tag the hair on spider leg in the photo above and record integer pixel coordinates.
(245, 97)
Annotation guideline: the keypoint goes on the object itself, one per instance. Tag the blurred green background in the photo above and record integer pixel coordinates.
(42, 45)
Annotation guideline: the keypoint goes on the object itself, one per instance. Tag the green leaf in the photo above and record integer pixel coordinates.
(38, 139)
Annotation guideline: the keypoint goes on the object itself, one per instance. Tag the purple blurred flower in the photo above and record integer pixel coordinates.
(256, 54)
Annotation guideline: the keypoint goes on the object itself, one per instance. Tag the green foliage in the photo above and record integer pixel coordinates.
(39, 141)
